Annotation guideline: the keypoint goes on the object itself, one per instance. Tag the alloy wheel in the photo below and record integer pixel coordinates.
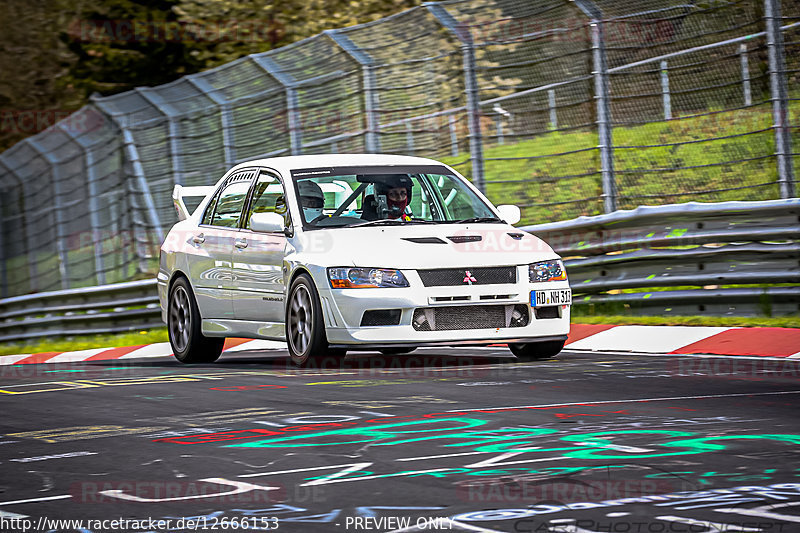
(300, 319)
(180, 318)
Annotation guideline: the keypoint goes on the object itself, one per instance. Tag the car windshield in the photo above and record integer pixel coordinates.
(387, 195)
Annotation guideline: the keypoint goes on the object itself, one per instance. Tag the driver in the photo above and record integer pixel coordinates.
(311, 199)
(392, 196)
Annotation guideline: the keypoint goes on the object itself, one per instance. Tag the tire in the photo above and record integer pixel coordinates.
(189, 345)
(396, 351)
(533, 351)
(305, 326)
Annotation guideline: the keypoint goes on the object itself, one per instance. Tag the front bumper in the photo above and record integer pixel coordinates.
(343, 310)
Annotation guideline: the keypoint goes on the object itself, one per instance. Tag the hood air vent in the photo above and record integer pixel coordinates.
(465, 238)
(424, 240)
(516, 236)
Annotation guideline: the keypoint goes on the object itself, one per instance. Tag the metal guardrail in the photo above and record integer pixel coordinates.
(658, 250)
(111, 308)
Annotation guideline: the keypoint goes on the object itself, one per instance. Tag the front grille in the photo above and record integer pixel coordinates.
(448, 277)
(458, 317)
(381, 317)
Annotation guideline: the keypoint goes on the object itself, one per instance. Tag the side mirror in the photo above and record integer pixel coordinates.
(509, 213)
(266, 222)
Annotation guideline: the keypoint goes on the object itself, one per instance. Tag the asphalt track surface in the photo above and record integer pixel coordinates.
(439, 440)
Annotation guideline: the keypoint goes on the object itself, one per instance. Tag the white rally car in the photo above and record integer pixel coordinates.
(332, 253)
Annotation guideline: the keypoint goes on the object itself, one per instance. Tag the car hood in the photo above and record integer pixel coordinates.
(428, 246)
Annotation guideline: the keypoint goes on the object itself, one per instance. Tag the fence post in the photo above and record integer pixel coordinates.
(665, 96)
(779, 96)
(602, 96)
(551, 103)
(61, 238)
(748, 100)
(409, 138)
(225, 115)
(94, 209)
(499, 123)
(464, 35)
(3, 276)
(171, 115)
(372, 141)
(33, 283)
(451, 121)
(292, 107)
(138, 173)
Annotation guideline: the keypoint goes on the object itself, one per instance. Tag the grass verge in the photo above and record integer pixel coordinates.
(85, 342)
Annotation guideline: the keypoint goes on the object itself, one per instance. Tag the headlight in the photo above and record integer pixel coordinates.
(362, 278)
(552, 270)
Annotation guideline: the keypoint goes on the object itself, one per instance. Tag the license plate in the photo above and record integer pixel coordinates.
(551, 297)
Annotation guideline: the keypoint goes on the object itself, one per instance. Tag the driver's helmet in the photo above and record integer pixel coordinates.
(397, 190)
(311, 199)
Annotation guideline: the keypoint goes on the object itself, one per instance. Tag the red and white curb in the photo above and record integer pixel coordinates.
(765, 342)
(161, 349)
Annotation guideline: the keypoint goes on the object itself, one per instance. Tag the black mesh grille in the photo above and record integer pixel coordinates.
(458, 317)
(381, 317)
(547, 312)
(447, 277)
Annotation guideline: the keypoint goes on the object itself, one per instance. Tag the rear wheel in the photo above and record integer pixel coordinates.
(305, 327)
(183, 325)
(532, 351)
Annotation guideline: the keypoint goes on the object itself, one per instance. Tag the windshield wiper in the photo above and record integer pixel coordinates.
(379, 222)
(391, 222)
(475, 220)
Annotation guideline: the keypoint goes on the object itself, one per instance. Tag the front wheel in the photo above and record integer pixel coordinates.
(188, 343)
(533, 351)
(305, 327)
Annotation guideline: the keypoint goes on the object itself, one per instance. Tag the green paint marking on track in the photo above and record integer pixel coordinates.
(370, 433)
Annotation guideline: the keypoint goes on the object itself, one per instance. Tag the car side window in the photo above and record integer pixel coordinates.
(210, 210)
(268, 197)
(229, 204)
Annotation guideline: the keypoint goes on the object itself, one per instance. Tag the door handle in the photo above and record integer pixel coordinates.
(199, 239)
(240, 243)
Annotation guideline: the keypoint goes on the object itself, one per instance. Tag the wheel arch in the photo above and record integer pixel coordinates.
(295, 273)
(175, 277)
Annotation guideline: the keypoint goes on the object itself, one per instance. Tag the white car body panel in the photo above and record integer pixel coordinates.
(242, 291)
(258, 281)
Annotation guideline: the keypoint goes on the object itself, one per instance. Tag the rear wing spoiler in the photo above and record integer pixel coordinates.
(179, 192)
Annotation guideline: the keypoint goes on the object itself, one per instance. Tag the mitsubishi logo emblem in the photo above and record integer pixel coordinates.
(469, 278)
